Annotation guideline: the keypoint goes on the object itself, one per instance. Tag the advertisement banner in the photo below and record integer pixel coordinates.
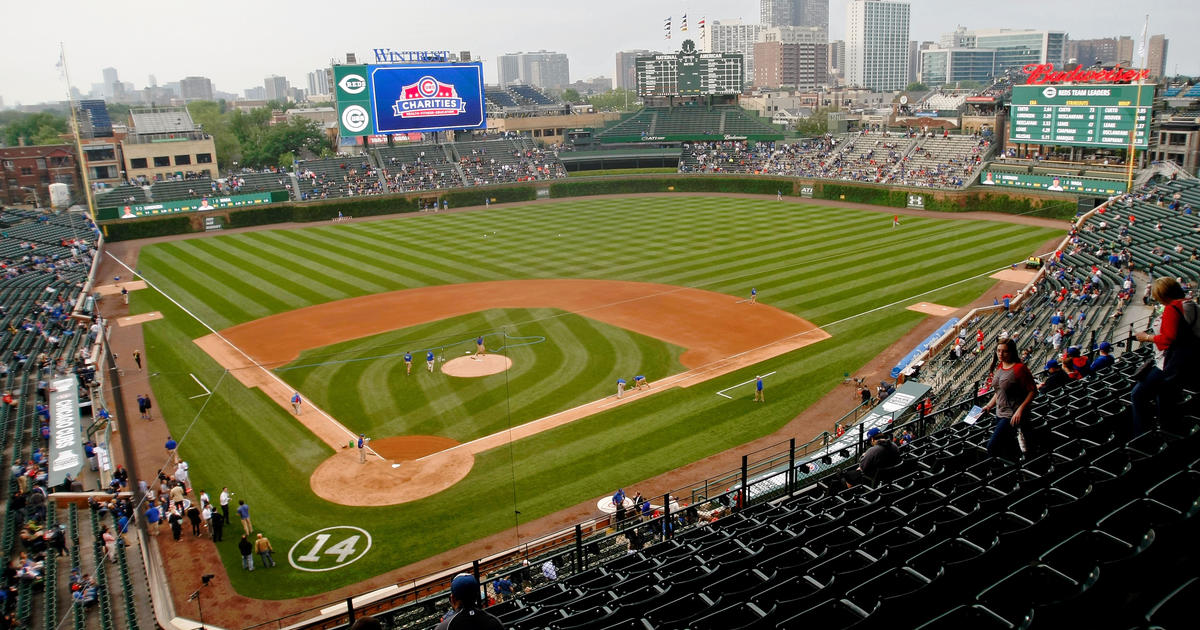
(192, 205)
(426, 97)
(66, 445)
(916, 201)
(1053, 183)
(353, 100)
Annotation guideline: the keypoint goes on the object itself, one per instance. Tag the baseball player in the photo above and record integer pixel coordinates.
(480, 351)
(640, 382)
(296, 402)
(753, 295)
(620, 387)
(407, 363)
(429, 360)
(362, 448)
(758, 389)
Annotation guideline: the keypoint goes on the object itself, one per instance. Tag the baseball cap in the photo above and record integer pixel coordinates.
(465, 588)
(1073, 351)
(872, 433)
(1052, 363)
(1105, 346)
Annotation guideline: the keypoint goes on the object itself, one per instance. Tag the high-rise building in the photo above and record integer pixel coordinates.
(111, 82)
(1104, 51)
(256, 93)
(1156, 56)
(792, 56)
(543, 69)
(195, 89)
(941, 66)
(794, 13)
(318, 81)
(837, 57)
(276, 88)
(732, 36)
(1016, 49)
(626, 77)
(959, 38)
(877, 44)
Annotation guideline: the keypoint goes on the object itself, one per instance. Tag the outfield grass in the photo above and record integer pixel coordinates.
(833, 266)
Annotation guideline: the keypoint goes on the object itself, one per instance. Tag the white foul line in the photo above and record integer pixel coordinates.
(206, 392)
(722, 392)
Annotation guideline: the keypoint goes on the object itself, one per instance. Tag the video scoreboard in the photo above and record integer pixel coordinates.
(1080, 115)
(402, 98)
(690, 73)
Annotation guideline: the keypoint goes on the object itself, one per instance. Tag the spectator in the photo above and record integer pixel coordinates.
(465, 600)
(1014, 392)
(1176, 357)
(1055, 377)
(246, 549)
(1105, 358)
(264, 549)
(881, 454)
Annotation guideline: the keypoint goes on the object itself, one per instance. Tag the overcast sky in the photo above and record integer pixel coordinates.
(237, 44)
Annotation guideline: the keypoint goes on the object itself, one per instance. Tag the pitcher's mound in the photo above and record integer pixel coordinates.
(469, 366)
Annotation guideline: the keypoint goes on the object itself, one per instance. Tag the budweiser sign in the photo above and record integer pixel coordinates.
(1043, 73)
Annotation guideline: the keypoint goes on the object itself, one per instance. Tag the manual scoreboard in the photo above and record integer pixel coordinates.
(690, 73)
(1080, 115)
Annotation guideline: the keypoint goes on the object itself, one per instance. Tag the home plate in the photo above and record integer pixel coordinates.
(137, 319)
(931, 309)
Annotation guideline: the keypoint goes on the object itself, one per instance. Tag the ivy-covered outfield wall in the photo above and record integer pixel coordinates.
(973, 199)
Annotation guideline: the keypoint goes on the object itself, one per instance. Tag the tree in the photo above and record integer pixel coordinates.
(916, 86)
(817, 124)
(39, 128)
(215, 121)
(614, 100)
(571, 95)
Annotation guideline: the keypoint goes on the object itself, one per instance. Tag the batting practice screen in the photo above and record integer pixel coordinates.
(427, 97)
(1080, 115)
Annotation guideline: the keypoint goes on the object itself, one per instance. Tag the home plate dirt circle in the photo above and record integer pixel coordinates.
(395, 476)
(471, 366)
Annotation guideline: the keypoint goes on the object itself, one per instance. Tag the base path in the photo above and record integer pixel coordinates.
(721, 334)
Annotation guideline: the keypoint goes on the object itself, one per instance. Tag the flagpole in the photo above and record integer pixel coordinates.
(1137, 106)
(87, 185)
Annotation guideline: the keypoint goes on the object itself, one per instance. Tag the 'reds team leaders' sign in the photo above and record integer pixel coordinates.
(427, 97)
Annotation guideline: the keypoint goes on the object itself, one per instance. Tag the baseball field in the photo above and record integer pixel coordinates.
(575, 294)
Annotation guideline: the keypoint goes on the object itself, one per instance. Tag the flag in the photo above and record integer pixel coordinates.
(1142, 44)
(667, 28)
(684, 27)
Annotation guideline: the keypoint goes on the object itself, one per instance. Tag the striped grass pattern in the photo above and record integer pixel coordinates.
(836, 267)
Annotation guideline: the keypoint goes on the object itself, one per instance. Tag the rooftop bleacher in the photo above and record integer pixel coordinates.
(531, 95)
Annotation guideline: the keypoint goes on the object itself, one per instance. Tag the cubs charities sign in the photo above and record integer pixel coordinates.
(426, 97)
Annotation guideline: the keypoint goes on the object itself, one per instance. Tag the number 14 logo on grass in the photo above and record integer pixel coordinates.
(329, 548)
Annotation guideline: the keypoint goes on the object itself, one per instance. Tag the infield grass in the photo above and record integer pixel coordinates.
(836, 267)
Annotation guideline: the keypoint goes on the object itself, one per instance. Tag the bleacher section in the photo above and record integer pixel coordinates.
(338, 177)
(173, 190)
(506, 160)
(884, 158)
(943, 102)
(943, 161)
(245, 182)
(498, 97)
(122, 195)
(417, 167)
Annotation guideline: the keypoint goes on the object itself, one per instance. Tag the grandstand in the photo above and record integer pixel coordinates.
(506, 160)
(418, 167)
(124, 194)
(176, 189)
(527, 94)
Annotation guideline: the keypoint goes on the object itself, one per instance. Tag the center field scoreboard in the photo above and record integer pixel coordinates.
(690, 73)
(1080, 115)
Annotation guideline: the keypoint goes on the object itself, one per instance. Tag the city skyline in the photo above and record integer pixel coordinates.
(245, 52)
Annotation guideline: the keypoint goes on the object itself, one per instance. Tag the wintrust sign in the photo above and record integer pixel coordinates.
(1043, 73)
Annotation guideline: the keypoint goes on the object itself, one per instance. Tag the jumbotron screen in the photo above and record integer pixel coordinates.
(1080, 115)
(690, 73)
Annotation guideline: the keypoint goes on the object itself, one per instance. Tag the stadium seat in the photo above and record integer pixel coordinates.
(676, 613)
(831, 614)
(1016, 595)
(975, 617)
(1177, 609)
(736, 617)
